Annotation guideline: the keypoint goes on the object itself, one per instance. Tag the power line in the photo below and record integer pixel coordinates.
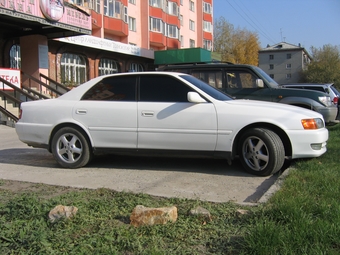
(250, 21)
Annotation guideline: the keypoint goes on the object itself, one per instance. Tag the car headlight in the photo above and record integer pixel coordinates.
(326, 100)
(312, 123)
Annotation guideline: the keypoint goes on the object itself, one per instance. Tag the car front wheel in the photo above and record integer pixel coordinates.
(261, 151)
(70, 148)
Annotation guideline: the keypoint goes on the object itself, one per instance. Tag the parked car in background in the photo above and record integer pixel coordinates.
(327, 88)
(172, 114)
(251, 82)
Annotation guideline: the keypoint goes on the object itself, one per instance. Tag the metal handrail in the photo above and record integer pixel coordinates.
(8, 114)
(57, 84)
(16, 90)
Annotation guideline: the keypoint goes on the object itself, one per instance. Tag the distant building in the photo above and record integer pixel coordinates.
(284, 62)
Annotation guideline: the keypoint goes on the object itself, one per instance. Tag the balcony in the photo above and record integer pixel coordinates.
(157, 39)
(115, 26)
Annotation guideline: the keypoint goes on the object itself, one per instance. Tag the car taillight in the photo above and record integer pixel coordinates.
(335, 100)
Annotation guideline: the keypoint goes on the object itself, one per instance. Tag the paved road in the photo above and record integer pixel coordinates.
(204, 179)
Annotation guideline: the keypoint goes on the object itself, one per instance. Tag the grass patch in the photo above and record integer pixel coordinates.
(302, 218)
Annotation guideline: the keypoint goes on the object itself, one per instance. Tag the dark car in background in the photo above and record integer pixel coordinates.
(251, 82)
(327, 88)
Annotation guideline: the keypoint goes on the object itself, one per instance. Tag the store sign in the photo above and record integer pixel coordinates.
(10, 75)
(105, 44)
(48, 12)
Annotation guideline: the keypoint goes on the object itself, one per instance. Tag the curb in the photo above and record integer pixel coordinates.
(275, 187)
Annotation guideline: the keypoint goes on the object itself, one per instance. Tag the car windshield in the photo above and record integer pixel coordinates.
(267, 78)
(210, 90)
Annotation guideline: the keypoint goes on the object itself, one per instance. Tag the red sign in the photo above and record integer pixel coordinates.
(10, 75)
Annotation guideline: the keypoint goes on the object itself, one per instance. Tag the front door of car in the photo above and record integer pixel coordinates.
(166, 120)
(241, 84)
(109, 112)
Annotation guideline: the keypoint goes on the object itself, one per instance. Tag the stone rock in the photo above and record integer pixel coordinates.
(241, 212)
(61, 211)
(142, 215)
(200, 211)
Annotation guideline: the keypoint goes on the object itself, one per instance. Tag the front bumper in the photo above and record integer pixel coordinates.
(329, 113)
(302, 141)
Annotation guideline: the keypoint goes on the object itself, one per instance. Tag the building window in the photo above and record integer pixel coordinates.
(125, 15)
(112, 8)
(207, 8)
(207, 44)
(192, 25)
(181, 19)
(92, 4)
(271, 56)
(173, 9)
(288, 76)
(288, 66)
(107, 66)
(181, 2)
(15, 57)
(271, 76)
(271, 66)
(192, 43)
(191, 5)
(156, 25)
(182, 41)
(72, 69)
(207, 26)
(156, 3)
(132, 1)
(132, 24)
(136, 67)
(172, 31)
(289, 56)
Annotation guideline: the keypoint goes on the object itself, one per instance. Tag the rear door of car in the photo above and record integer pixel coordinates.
(166, 120)
(109, 112)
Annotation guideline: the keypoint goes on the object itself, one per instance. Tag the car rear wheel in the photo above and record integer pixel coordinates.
(261, 151)
(70, 148)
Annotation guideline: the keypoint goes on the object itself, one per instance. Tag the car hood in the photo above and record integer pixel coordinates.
(272, 108)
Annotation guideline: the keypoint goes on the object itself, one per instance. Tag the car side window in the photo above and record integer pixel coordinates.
(162, 88)
(241, 79)
(317, 89)
(212, 77)
(119, 88)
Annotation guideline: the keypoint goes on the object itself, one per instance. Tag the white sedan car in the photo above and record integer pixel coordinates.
(171, 114)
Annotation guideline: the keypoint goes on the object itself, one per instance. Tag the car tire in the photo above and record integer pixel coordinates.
(71, 148)
(261, 151)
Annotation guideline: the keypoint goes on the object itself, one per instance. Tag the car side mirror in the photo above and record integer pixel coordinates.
(194, 97)
(259, 83)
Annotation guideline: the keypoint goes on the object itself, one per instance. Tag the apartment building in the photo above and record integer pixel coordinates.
(76, 40)
(284, 62)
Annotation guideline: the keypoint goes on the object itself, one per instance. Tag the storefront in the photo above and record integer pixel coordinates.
(53, 37)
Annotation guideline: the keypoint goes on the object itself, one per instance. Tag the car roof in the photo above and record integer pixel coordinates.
(203, 65)
(309, 84)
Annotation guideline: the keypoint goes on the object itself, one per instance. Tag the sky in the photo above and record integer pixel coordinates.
(305, 22)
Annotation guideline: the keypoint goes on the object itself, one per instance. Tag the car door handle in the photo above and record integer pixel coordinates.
(147, 114)
(81, 111)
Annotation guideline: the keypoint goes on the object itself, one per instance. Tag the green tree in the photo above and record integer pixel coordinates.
(238, 46)
(324, 67)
